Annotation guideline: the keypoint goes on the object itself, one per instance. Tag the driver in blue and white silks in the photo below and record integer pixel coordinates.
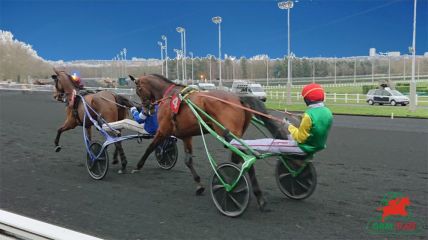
(149, 121)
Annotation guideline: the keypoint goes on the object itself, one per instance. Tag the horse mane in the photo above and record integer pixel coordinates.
(167, 80)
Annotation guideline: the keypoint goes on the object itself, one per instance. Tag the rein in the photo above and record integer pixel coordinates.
(120, 105)
(164, 97)
(245, 108)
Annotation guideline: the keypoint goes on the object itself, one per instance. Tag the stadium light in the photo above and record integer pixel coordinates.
(287, 5)
(218, 20)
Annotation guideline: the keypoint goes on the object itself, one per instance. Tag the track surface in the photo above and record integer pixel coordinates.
(366, 158)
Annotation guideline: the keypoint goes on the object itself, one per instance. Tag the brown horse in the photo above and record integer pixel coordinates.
(184, 124)
(102, 102)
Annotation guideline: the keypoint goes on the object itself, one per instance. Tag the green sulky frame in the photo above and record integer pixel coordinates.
(249, 155)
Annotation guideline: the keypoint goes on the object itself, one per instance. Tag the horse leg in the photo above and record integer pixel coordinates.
(188, 160)
(116, 153)
(123, 160)
(66, 126)
(152, 146)
(261, 201)
(89, 133)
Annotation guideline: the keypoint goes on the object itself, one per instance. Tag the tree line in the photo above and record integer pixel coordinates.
(20, 63)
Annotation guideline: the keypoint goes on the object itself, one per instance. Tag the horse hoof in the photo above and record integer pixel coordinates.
(135, 171)
(262, 203)
(121, 171)
(200, 190)
(57, 148)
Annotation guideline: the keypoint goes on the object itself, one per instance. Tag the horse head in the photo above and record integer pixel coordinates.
(144, 92)
(151, 88)
(64, 85)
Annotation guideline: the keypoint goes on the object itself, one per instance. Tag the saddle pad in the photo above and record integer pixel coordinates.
(175, 103)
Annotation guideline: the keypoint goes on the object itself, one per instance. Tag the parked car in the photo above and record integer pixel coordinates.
(245, 88)
(386, 96)
(194, 86)
(206, 86)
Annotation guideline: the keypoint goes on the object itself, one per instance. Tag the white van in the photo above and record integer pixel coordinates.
(245, 88)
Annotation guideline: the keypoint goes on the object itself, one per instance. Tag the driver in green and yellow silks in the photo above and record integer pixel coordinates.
(310, 136)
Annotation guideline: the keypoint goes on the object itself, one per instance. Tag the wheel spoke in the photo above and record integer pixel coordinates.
(224, 201)
(239, 190)
(302, 185)
(217, 187)
(239, 205)
(292, 188)
(283, 175)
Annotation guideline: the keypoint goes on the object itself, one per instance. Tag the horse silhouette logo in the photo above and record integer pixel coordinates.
(396, 217)
(395, 207)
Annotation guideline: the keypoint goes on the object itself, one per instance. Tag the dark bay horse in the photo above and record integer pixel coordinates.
(102, 102)
(184, 124)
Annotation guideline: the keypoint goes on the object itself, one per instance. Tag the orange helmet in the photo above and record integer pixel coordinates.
(313, 92)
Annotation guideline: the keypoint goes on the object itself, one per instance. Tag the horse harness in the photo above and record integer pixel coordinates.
(176, 98)
(74, 110)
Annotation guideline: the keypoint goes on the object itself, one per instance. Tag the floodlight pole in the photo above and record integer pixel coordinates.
(218, 20)
(166, 54)
(191, 54)
(355, 70)
(288, 5)
(161, 50)
(373, 69)
(124, 64)
(412, 105)
(177, 51)
(210, 56)
(182, 34)
(335, 70)
(267, 71)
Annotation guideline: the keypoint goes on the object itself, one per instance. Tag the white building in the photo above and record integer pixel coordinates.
(394, 54)
(372, 52)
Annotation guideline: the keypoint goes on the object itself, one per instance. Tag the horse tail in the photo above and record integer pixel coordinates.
(122, 100)
(276, 130)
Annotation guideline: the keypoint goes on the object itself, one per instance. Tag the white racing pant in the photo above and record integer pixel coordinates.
(271, 145)
(126, 124)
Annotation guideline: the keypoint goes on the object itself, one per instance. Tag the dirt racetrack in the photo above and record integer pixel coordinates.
(366, 158)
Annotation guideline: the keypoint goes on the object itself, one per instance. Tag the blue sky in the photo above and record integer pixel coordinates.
(98, 29)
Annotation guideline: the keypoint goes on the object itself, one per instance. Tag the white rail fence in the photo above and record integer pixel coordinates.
(332, 97)
(272, 96)
(364, 79)
(14, 226)
(50, 88)
(357, 84)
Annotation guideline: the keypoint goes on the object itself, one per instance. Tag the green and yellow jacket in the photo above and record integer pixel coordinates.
(312, 133)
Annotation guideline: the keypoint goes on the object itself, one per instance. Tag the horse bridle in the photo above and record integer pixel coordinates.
(146, 102)
(62, 95)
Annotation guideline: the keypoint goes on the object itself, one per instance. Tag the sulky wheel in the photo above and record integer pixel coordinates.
(167, 153)
(296, 187)
(98, 167)
(233, 203)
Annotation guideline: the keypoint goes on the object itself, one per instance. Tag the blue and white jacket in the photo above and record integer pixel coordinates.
(150, 121)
